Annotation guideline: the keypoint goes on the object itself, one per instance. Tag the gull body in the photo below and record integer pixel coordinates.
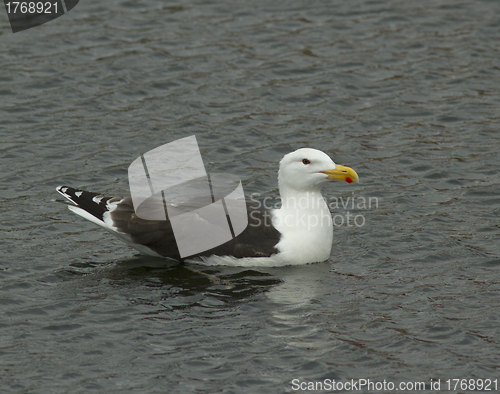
(300, 232)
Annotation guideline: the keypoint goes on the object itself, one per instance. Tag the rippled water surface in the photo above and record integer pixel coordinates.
(406, 93)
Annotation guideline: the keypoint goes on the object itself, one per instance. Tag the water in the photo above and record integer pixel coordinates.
(405, 93)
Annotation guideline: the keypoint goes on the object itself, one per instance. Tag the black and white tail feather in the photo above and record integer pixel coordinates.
(106, 211)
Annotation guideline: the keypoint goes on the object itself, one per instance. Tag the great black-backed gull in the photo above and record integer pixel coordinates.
(300, 232)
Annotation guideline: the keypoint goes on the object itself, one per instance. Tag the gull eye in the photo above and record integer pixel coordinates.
(306, 162)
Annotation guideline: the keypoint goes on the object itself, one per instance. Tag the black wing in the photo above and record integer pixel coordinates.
(259, 239)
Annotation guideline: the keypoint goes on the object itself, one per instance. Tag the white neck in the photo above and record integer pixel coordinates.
(305, 224)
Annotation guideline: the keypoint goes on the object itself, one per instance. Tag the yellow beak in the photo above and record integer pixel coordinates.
(342, 173)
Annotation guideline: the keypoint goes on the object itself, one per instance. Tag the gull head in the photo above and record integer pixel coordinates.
(309, 169)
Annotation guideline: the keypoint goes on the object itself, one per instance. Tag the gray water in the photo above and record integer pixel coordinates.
(406, 93)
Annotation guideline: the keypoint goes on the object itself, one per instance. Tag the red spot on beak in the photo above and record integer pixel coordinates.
(348, 180)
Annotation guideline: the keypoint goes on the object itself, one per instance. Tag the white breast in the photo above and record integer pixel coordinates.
(307, 231)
